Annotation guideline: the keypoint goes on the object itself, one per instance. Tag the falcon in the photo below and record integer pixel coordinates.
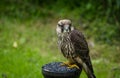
(74, 47)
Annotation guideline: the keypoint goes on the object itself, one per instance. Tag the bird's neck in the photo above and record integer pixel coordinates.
(63, 36)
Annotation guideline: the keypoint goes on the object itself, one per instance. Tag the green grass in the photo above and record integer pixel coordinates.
(37, 45)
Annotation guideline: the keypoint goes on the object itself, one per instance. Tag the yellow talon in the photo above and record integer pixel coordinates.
(73, 66)
(65, 63)
(70, 65)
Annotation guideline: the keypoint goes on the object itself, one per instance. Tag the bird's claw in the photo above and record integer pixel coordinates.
(65, 64)
(73, 66)
(70, 65)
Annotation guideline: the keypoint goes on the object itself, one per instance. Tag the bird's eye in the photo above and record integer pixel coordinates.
(60, 25)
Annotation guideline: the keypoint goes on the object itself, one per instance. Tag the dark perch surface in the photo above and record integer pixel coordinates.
(55, 70)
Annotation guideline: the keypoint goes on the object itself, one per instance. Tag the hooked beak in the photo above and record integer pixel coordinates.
(66, 28)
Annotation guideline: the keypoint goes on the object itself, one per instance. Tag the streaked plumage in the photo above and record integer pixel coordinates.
(74, 46)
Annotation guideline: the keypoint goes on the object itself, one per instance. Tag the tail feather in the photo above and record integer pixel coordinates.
(87, 66)
(89, 72)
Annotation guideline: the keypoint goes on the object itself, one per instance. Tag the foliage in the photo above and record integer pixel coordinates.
(90, 9)
(103, 32)
(28, 39)
(101, 15)
(26, 46)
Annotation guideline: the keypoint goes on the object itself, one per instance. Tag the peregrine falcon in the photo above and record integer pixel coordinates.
(74, 47)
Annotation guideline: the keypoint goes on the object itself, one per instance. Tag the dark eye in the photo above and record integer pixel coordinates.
(60, 25)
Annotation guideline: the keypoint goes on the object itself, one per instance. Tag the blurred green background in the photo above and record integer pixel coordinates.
(28, 37)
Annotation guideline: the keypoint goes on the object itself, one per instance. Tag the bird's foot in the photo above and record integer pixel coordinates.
(73, 66)
(70, 65)
(65, 64)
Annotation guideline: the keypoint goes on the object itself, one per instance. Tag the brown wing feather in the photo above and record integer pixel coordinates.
(81, 47)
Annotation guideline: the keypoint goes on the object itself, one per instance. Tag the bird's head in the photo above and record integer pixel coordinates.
(64, 26)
